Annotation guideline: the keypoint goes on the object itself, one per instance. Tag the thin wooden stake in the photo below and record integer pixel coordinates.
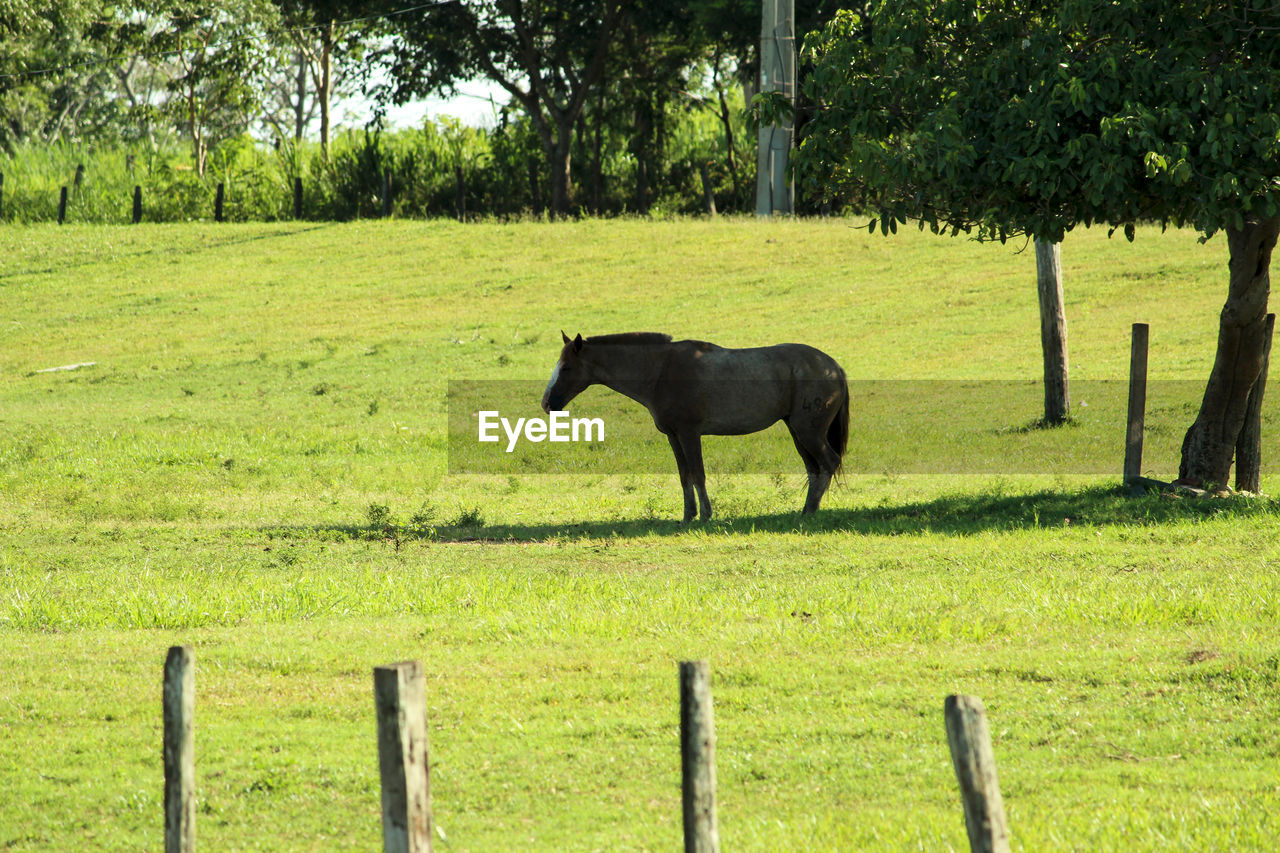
(1249, 443)
(399, 696)
(698, 758)
(1137, 403)
(137, 204)
(386, 193)
(62, 206)
(975, 767)
(218, 200)
(179, 751)
(297, 198)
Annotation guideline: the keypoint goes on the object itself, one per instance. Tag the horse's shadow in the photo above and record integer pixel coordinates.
(955, 515)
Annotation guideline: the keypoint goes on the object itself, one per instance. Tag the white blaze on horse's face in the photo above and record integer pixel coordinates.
(546, 395)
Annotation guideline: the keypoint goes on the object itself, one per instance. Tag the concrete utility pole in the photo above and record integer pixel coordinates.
(774, 191)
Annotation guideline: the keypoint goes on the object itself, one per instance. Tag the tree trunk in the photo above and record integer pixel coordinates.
(726, 120)
(640, 136)
(1210, 443)
(1249, 446)
(325, 90)
(561, 155)
(597, 145)
(300, 100)
(1053, 332)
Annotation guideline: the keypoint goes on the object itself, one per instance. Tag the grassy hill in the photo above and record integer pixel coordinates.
(256, 463)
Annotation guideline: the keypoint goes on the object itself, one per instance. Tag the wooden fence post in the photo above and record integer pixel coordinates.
(137, 204)
(399, 696)
(975, 766)
(1249, 443)
(179, 751)
(218, 199)
(1137, 403)
(62, 206)
(297, 198)
(460, 193)
(708, 197)
(386, 193)
(1053, 332)
(698, 758)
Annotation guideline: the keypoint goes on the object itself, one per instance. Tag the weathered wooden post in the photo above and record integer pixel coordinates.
(1137, 404)
(975, 766)
(179, 751)
(698, 758)
(1249, 444)
(137, 204)
(219, 199)
(708, 197)
(400, 698)
(1053, 332)
(460, 193)
(297, 198)
(62, 206)
(386, 193)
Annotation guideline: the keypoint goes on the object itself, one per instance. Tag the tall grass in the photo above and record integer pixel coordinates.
(424, 165)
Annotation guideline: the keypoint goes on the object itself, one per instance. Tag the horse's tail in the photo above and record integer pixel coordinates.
(838, 432)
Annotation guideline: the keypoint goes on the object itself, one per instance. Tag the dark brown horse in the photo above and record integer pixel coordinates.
(693, 388)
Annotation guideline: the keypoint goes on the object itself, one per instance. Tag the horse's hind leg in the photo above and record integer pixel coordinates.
(818, 479)
(691, 444)
(686, 487)
(820, 462)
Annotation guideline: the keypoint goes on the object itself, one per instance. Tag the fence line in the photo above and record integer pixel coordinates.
(404, 766)
(293, 202)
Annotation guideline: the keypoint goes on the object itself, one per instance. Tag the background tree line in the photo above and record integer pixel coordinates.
(615, 105)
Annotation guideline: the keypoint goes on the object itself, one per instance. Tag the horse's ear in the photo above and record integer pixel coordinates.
(563, 335)
(577, 343)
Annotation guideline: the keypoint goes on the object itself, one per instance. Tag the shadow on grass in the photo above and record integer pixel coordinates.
(229, 237)
(955, 515)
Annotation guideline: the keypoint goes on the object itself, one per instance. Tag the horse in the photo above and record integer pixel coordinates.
(695, 388)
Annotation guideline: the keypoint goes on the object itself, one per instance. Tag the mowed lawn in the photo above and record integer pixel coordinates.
(255, 464)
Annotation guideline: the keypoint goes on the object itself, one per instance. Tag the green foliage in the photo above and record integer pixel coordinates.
(423, 165)
(1035, 117)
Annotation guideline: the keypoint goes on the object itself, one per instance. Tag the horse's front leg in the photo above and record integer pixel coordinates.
(691, 444)
(686, 487)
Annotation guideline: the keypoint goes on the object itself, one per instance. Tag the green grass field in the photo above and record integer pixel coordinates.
(256, 465)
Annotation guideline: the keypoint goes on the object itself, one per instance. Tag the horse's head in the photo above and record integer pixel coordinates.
(570, 377)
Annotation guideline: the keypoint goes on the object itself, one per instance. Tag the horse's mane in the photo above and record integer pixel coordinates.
(630, 338)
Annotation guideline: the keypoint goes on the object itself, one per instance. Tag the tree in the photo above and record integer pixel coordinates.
(1032, 118)
(316, 29)
(54, 83)
(217, 51)
(549, 55)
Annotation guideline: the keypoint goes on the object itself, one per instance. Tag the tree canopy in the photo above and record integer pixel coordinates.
(1034, 117)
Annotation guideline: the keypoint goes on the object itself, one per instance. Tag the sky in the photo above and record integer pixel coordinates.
(472, 105)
